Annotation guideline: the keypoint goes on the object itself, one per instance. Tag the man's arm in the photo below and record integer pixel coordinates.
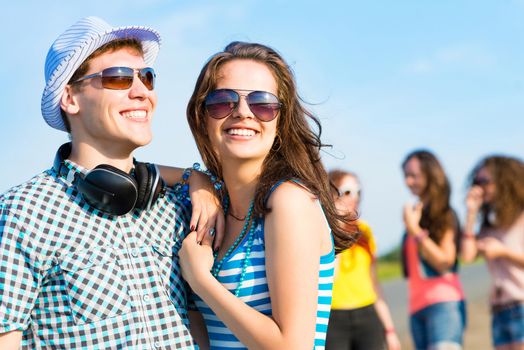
(10, 340)
(20, 279)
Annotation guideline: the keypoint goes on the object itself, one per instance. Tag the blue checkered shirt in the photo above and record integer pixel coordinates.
(72, 277)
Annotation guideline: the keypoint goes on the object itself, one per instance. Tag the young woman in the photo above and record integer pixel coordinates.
(360, 318)
(268, 286)
(497, 196)
(436, 298)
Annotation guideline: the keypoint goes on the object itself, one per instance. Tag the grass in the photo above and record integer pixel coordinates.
(388, 270)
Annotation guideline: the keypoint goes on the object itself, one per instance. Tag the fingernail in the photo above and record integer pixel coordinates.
(192, 228)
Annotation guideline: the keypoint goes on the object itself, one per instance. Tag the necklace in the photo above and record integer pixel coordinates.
(250, 239)
(236, 217)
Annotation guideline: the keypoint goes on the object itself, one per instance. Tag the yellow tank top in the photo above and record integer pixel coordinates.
(353, 286)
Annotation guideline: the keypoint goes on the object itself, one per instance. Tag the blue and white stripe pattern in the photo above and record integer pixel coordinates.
(254, 291)
(72, 48)
(72, 277)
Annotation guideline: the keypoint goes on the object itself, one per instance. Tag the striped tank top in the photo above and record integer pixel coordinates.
(255, 293)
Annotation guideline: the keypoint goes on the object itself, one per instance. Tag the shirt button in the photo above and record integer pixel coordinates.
(157, 344)
(92, 259)
(134, 252)
(146, 298)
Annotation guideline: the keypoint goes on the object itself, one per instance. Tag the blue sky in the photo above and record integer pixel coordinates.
(384, 77)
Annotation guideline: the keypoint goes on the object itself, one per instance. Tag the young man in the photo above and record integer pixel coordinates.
(88, 258)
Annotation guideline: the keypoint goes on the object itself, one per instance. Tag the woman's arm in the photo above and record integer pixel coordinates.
(492, 248)
(468, 247)
(383, 312)
(296, 235)
(206, 212)
(440, 256)
(10, 340)
(171, 175)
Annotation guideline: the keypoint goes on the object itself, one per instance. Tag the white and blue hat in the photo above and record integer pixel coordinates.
(72, 48)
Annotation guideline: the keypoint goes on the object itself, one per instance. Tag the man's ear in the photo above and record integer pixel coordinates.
(69, 102)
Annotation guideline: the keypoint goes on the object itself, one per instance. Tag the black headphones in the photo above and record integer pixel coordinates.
(112, 190)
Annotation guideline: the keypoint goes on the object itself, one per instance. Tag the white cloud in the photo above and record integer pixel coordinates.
(468, 56)
(421, 66)
(203, 16)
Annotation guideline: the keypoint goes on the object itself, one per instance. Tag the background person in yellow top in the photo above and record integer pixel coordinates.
(360, 318)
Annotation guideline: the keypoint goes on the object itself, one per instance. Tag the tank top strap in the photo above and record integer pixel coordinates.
(280, 182)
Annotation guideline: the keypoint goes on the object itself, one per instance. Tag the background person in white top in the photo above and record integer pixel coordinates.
(496, 197)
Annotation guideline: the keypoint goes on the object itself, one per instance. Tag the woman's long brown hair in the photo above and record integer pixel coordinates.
(295, 153)
(437, 214)
(508, 175)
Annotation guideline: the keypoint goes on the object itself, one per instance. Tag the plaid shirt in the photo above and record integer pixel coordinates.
(72, 277)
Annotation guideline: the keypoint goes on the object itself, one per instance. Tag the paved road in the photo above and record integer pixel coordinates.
(476, 280)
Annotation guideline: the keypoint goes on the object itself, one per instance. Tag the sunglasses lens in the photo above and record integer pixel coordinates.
(264, 105)
(220, 103)
(351, 192)
(147, 76)
(480, 181)
(117, 78)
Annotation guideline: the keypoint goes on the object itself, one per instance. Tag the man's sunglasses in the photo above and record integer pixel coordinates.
(222, 102)
(121, 78)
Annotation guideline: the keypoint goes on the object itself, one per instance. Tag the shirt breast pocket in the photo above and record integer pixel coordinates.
(170, 275)
(95, 285)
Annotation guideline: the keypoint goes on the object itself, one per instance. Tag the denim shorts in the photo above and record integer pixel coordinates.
(439, 326)
(507, 324)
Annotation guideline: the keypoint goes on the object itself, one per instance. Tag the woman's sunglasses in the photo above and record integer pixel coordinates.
(348, 191)
(481, 181)
(222, 102)
(121, 78)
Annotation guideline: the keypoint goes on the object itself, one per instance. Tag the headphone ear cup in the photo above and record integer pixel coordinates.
(145, 181)
(150, 183)
(108, 189)
(158, 189)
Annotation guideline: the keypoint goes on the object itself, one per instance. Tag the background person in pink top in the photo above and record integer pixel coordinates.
(496, 197)
(430, 246)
